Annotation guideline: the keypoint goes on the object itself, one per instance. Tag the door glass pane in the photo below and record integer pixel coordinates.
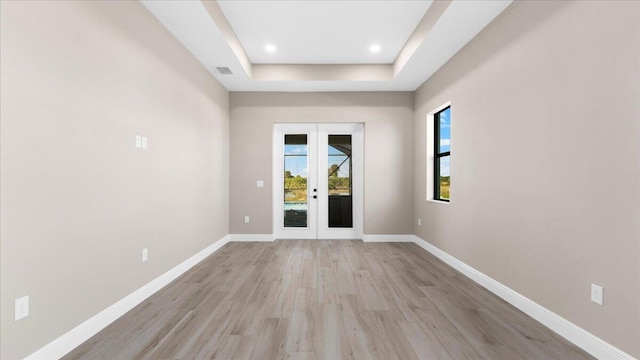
(339, 172)
(296, 165)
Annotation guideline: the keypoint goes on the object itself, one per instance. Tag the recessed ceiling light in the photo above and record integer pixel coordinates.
(374, 48)
(270, 48)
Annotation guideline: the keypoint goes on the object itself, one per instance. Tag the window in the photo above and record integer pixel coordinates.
(442, 154)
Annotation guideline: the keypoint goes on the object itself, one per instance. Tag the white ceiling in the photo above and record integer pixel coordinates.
(324, 32)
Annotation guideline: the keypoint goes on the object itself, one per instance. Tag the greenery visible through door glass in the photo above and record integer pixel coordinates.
(295, 180)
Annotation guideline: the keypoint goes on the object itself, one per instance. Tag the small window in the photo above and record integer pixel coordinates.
(442, 154)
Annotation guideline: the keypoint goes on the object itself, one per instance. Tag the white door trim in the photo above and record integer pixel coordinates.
(316, 230)
(356, 130)
(279, 231)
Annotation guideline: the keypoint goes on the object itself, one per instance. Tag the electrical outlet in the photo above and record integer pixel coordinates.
(145, 254)
(246, 219)
(597, 294)
(419, 222)
(22, 308)
(260, 183)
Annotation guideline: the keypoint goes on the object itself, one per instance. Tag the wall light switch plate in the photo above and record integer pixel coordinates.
(22, 308)
(246, 219)
(138, 141)
(145, 254)
(144, 142)
(419, 222)
(597, 294)
(260, 183)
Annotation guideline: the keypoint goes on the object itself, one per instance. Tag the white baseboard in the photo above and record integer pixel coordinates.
(365, 238)
(81, 333)
(570, 331)
(575, 334)
(388, 238)
(251, 237)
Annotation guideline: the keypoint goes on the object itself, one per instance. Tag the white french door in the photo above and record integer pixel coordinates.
(318, 181)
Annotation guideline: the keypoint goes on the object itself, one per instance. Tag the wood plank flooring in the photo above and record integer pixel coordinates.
(328, 299)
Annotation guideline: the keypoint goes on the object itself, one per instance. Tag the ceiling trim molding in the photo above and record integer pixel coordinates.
(214, 10)
(429, 20)
(322, 72)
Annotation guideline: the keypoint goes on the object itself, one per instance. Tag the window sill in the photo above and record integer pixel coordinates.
(439, 201)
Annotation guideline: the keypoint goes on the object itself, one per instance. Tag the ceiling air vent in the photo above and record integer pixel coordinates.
(224, 70)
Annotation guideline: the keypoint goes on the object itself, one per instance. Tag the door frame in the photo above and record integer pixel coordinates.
(318, 210)
(279, 231)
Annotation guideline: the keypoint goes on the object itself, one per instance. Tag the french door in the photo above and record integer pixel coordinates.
(318, 181)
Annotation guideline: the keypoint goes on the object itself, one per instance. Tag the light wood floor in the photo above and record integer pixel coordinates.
(325, 300)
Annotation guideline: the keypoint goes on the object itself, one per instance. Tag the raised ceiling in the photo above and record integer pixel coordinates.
(324, 45)
(323, 32)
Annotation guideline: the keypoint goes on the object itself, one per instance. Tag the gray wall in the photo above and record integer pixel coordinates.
(545, 159)
(388, 152)
(79, 81)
